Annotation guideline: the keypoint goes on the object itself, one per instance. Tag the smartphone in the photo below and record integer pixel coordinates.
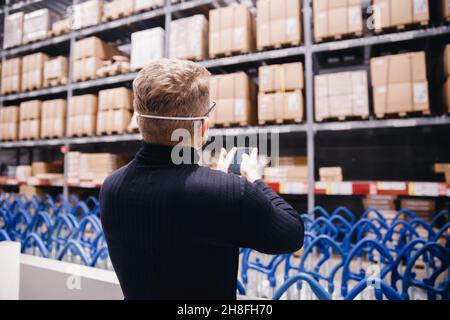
(235, 166)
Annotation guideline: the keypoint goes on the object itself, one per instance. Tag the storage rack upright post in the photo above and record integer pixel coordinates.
(307, 52)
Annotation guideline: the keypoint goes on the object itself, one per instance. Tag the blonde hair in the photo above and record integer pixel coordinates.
(170, 88)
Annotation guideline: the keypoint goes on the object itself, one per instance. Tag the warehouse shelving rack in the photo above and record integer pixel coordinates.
(306, 51)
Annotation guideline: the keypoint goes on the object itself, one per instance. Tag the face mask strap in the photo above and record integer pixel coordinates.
(171, 118)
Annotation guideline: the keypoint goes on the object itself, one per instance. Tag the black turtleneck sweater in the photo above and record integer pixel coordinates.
(174, 231)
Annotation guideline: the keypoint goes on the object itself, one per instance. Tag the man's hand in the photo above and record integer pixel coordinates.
(249, 166)
(225, 159)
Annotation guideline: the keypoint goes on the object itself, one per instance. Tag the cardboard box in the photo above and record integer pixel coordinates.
(331, 174)
(189, 38)
(46, 167)
(400, 84)
(82, 115)
(87, 14)
(278, 23)
(23, 173)
(446, 59)
(60, 27)
(9, 123)
(116, 98)
(11, 76)
(399, 13)
(445, 10)
(86, 68)
(341, 95)
(279, 107)
(33, 71)
(113, 121)
(286, 174)
(93, 47)
(29, 129)
(447, 95)
(37, 24)
(13, 32)
(53, 118)
(285, 77)
(55, 71)
(142, 5)
(81, 105)
(117, 9)
(337, 18)
(234, 95)
(143, 54)
(231, 30)
(30, 110)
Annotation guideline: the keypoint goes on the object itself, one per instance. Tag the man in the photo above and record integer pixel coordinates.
(174, 230)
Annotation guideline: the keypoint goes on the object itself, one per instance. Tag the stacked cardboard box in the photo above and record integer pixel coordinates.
(23, 173)
(341, 95)
(37, 25)
(33, 71)
(189, 38)
(331, 174)
(280, 93)
(443, 168)
(53, 118)
(30, 120)
(384, 204)
(142, 5)
(337, 18)
(422, 208)
(87, 14)
(278, 23)
(92, 166)
(234, 95)
(400, 13)
(55, 72)
(13, 32)
(11, 76)
(231, 30)
(60, 27)
(287, 169)
(9, 123)
(400, 84)
(141, 53)
(446, 88)
(116, 9)
(82, 115)
(89, 55)
(40, 168)
(115, 110)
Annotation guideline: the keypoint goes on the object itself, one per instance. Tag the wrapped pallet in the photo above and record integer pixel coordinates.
(11, 76)
(82, 115)
(115, 110)
(9, 123)
(13, 32)
(55, 72)
(341, 95)
(189, 38)
(400, 84)
(280, 107)
(30, 120)
(143, 5)
(33, 71)
(116, 9)
(400, 13)
(231, 30)
(53, 118)
(278, 23)
(37, 25)
(331, 174)
(334, 19)
(88, 13)
(60, 27)
(234, 95)
(141, 53)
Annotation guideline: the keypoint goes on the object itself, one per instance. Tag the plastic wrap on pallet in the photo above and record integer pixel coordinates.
(189, 38)
(87, 14)
(56, 68)
(13, 32)
(142, 53)
(116, 8)
(37, 24)
(141, 5)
